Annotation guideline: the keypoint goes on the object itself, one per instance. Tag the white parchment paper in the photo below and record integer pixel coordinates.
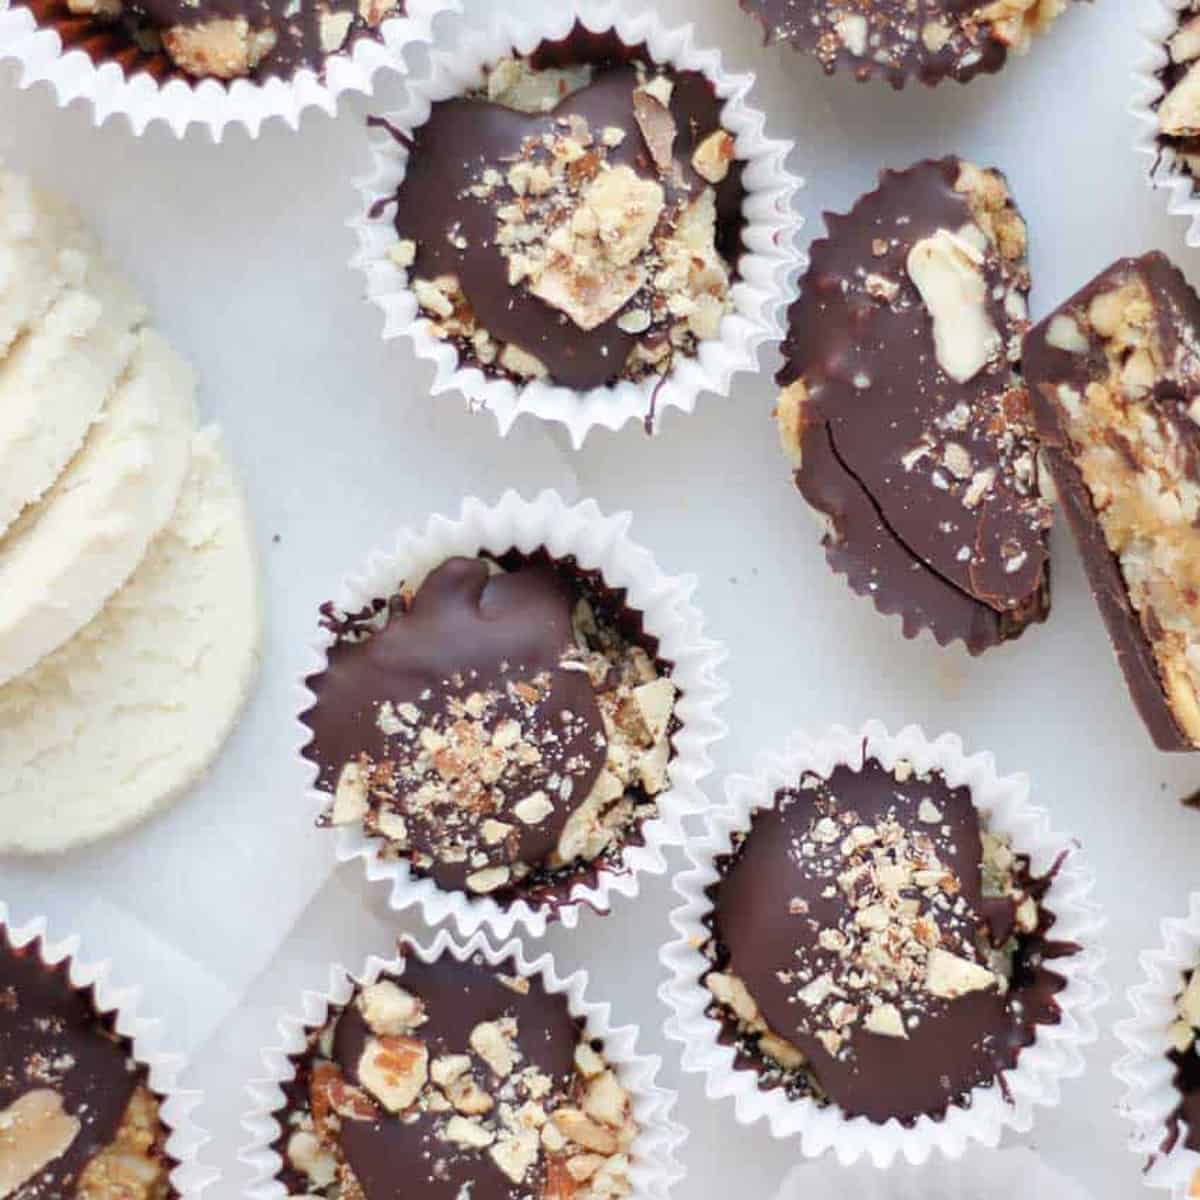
(227, 906)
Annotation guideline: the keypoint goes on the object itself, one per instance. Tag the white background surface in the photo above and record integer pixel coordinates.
(228, 906)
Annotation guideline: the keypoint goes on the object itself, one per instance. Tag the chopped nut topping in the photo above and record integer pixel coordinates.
(595, 239)
(466, 771)
(394, 1070)
(1017, 22)
(946, 271)
(479, 1104)
(224, 48)
(658, 128)
(902, 942)
(933, 40)
(34, 1131)
(389, 1010)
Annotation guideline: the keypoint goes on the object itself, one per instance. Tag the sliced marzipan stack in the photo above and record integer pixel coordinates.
(129, 621)
(56, 378)
(130, 712)
(67, 554)
(40, 246)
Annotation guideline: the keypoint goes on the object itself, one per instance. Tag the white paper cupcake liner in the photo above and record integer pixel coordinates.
(655, 1166)
(209, 103)
(760, 296)
(1055, 1055)
(1164, 171)
(1150, 1098)
(597, 542)
(986, 1175)
(190, 1178)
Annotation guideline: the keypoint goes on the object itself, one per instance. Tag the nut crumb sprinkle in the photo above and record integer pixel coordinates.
(610, 228)
(890, 923)
(518, 1105)
(497, 778)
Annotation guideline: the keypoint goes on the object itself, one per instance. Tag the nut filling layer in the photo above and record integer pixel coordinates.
(77, 1116)
(214, 39)
(899, 40)
(876, 947)
(451, 1080)
(1117, 374)
(577, 223)
(505, 728)
(903, 410)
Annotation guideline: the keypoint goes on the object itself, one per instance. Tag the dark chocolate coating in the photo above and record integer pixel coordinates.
(462, 136)
(466, 630)
(51, 1036)
(805, 24)
(1046, 367)
(959, 1044)
(896, 536)
(121, 40)
(395, 1159)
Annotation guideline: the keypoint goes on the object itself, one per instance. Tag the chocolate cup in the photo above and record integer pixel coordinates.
(654, 1152)
(824, 332)
(550, 891)
(439, 983)
(972, 1042)
(580, 361)
(27, 965)
(814, 1131)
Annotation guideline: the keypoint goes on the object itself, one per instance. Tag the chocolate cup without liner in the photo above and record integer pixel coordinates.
(885, 524)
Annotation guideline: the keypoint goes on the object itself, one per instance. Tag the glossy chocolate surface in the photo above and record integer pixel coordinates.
(767, 909)
(393, 1158)
(902, 531)
(466, 630)
(462, 136)
(1046, 367)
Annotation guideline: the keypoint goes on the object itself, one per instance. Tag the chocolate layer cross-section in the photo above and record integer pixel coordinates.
(449, 1080)
(578, 220)
(1184, 1057)
(903, 410)
(504, 727)
(876, 947)
(1179, 107)
(1115, 374)
(899, 40)
(77, 1117)
(218, 39)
